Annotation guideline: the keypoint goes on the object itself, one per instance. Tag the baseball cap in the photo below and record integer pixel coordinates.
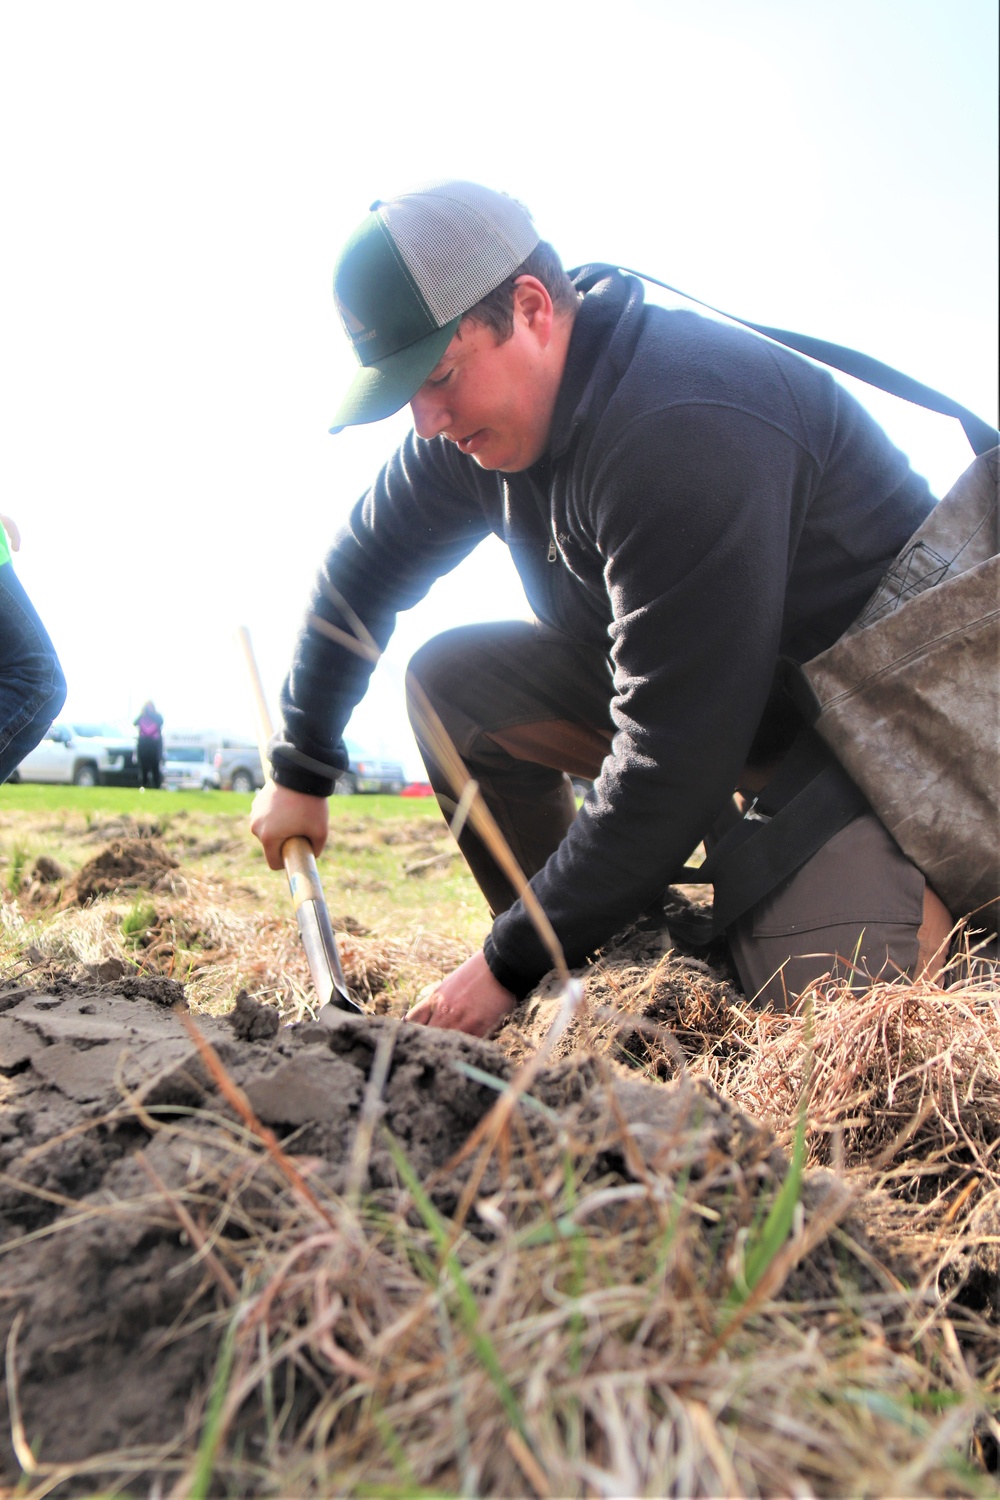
(407, 275)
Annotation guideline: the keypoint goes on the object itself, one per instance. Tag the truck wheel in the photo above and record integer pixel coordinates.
(242, 781)
(86, 774)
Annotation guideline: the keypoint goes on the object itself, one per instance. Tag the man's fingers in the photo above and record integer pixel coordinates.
(422, 1012)
(469, 999)
(278, 814)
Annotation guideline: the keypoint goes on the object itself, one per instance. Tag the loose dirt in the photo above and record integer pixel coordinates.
(128, 864)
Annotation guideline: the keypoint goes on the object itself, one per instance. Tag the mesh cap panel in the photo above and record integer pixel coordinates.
(459, 241)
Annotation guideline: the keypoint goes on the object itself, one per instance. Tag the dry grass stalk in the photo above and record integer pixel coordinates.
(912, 1067)
(22, 1448)
(905, 1078)
(474, 810)
(470, 804)
(191, 1229)
(237, 1100)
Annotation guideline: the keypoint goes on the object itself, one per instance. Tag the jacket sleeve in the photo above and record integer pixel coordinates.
(695, 520)
(417, 522)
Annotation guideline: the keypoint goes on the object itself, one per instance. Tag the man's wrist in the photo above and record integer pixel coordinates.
(295, 779)
(519, 984)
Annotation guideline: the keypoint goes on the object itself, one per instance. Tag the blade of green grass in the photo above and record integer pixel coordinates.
(467, 1306)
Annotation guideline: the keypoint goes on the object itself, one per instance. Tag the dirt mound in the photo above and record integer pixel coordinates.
(48, 871)
(126, 864)
(131, 1197)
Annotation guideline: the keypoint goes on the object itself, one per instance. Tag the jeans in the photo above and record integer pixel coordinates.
(32, 686)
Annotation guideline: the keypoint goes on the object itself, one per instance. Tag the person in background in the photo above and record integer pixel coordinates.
(149, 748)
(32, 685)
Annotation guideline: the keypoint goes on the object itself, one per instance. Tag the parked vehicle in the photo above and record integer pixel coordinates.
(237, 766)
(417, 789)
(81, 754)
(188, 768)
(367, 774)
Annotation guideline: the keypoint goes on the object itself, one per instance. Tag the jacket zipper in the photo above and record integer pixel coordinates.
(553, 554)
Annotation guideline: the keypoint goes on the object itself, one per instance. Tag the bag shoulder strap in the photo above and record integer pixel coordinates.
(981, 435)
(808, 800)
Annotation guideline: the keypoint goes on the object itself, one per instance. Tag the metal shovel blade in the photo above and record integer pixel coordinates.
(315, 929)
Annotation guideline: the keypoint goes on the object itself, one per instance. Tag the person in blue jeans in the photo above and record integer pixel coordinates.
(32, 685)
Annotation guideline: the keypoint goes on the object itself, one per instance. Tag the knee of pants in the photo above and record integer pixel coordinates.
(52, 706)
(427, 680)
(455, 673)
(57, 698)
(432, 668)
(449, 663)
(438, 655)
(853, 910)
(32, 706)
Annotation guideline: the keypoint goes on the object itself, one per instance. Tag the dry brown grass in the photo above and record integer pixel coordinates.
(902, 1082)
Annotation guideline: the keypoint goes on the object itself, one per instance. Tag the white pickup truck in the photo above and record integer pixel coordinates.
(81, 754)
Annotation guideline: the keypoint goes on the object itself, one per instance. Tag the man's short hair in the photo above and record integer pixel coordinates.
(496, 310)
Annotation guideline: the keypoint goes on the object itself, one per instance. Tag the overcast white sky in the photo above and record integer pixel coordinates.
(176, 182)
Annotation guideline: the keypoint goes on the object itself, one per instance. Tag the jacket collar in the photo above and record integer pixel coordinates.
(605, 332)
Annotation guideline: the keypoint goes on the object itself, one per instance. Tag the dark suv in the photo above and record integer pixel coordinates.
(365, 773)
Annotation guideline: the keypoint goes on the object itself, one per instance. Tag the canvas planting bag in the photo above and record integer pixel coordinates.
(909, 698)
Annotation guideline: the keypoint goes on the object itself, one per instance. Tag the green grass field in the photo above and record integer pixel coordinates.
(103, 801)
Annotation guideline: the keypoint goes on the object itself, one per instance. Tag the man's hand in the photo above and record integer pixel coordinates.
(470, 1000)
(278, 814)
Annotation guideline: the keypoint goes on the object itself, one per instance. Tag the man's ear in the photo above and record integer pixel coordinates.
(533, 303)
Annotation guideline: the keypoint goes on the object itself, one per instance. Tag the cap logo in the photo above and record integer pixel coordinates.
(352, 322)
(356, 330)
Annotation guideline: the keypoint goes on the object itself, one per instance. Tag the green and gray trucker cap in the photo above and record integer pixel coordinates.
(406, 276)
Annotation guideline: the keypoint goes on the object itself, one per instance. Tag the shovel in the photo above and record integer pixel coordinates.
(303, 881)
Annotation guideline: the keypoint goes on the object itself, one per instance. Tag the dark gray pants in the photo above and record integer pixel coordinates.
(524, 705)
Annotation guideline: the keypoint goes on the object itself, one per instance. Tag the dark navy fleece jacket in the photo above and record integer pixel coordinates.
(715, 502)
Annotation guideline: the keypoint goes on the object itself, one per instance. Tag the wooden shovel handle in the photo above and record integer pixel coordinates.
(303, 876)
(262, 717)
(300, 865)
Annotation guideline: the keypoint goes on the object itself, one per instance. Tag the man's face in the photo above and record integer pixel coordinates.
(493, 401)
